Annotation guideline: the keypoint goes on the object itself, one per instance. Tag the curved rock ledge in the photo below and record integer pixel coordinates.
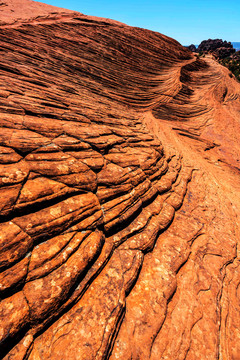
(119, 169)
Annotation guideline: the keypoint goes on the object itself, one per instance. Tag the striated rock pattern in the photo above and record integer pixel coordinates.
(120, 194)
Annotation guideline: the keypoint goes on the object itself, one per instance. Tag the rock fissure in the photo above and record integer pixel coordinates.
(119, 164)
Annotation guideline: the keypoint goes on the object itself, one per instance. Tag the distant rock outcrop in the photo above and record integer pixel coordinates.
(217, 47)
(120, 195)
(192, 47)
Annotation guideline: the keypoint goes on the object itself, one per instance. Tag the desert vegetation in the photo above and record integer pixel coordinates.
(233, 64)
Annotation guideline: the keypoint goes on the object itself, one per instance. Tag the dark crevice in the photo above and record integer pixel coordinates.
(161, 231)
(42, 114)
(114, 336)
(13, 289)
(33, 208)
(48, 321)
(124, 224)
(50, 105)
(133, 283)
(8, 343)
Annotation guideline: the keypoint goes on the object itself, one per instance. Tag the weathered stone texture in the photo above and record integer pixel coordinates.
(119, 193)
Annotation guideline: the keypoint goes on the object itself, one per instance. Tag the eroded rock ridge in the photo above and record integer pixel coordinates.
(119, 193)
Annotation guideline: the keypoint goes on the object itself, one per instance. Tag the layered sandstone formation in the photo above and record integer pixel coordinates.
(119, 193)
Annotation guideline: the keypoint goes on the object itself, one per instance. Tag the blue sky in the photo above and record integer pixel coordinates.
(184, 20)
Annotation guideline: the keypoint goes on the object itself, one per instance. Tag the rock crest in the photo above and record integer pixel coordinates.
(119, 174)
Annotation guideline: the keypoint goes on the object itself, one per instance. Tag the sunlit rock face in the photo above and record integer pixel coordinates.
(120, 195)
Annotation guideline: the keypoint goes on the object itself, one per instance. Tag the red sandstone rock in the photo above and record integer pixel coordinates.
(119, 192)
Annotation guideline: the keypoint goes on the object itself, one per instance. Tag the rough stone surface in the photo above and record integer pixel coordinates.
(120, 195)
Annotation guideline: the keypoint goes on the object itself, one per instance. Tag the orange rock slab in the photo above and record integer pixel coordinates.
(119, 192)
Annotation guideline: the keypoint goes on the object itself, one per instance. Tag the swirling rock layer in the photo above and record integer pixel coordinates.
(119, 183)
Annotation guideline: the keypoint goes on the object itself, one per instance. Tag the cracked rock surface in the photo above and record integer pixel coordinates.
(119, 193)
